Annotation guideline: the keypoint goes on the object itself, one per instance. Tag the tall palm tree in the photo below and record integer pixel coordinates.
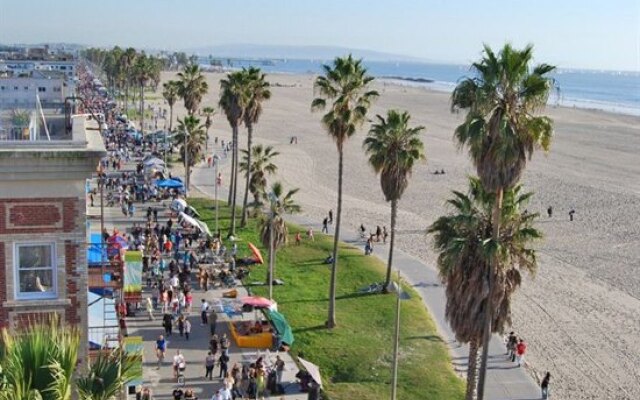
(273, 230)
(192, 86)
(501, 131)
(208, 112)
(346, 86)
(107, 375)
(170, 94)
(191, 136)
(258, 93)
(127, 61)
(260, 164)
(393, 148)
(234, 98)
(39, 362)
(143, 71)
(465, 245)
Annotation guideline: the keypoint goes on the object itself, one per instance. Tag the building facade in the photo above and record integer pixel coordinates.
(21, 91)
(43, 227)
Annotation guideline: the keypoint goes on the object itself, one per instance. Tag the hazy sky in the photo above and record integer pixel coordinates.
(600, 34)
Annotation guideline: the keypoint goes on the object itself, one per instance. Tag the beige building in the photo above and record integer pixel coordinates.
(43, 226)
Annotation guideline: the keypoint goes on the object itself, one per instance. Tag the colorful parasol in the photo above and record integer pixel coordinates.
(256, 253)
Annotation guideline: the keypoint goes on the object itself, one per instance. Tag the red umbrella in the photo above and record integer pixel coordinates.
(256, 253)
(257, 301)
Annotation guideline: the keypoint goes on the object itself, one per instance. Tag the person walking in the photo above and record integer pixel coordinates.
(224, 364)
(161, 348)
(187, 328)
(213, 319)
(167, 322)
(149, 307)
(544, 386)
(325, 227)
(204, 309)
(224, 344)
(330, 216)
(209, 363)
(521, 349)
(279, 369)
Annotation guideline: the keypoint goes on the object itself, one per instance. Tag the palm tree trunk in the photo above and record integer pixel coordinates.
(233, 164)
(394, 212)
(142, 111)
(472, 370)
(488, 316)
(234, 173)
(331, 318)
(170, 118)
(245, 210)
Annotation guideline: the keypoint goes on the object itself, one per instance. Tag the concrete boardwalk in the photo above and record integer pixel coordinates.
(161, 380)
(505, 381)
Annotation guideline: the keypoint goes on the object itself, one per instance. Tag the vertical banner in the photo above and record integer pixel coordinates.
(132, 276)
(134, 347)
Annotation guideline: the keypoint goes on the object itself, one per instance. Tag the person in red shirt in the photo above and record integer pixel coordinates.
(521, 349)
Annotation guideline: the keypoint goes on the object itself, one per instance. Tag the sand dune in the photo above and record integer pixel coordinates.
(581, 313)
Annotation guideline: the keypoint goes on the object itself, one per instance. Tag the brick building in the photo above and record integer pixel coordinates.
(43, 226)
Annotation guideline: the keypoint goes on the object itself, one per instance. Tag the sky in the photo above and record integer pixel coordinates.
(594, 34)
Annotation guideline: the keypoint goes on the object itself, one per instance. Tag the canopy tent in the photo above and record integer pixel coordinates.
(282, 326)
(96, 253)
(169, 183)
(178, 205)
(192, 211)
(256, 253)
(153, 161)
(312, 369)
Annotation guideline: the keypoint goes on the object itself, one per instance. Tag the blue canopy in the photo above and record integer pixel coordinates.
(94, 255)
(169, 183)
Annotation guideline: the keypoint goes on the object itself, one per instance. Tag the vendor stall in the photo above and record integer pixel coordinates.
(252, 334)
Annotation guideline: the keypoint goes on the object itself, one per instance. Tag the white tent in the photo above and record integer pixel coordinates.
(189, 220)
(178, 205)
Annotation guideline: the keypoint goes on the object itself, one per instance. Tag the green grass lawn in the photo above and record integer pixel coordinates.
(355, 357)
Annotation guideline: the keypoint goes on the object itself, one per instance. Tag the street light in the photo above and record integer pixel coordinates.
(273, 199)
(215, 187)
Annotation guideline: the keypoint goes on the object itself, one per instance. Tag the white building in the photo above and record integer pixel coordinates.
(18, 67)
(20, 92)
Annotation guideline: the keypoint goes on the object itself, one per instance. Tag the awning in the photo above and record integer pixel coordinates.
(204, 228)
(169, 183)
(189, 220)
(282, 326)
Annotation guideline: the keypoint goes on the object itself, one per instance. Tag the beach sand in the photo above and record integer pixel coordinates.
(581, 313)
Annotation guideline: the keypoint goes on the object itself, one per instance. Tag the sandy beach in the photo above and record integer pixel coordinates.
(580, 313)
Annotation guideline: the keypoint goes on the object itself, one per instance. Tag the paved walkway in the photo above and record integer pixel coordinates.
(505, 381)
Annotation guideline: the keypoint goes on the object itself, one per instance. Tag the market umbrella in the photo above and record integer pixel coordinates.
(257, 301)
(178, 205)
(312, 369)
(153, 161)
(282, 326)
(169, 183)
(256, 253)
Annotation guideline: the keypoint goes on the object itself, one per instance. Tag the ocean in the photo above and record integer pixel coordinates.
(611, 91)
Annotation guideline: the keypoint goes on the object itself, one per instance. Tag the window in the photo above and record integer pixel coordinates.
(42, 89)
(35, 269)
(15, 88)
(57, 89)
(26, 88)
(1, 87)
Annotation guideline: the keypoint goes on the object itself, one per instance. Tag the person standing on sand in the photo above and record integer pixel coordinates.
(521, 349)
(571, 214)
(385, 234)
(544, 386)
(325, 223)
(550, 211)
(330, 216)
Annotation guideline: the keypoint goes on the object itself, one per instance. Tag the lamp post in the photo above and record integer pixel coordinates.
(186, 163)
(274, 203)
(215, 187)
(396, 343)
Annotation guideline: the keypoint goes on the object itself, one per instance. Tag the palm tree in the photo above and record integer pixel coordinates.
(192, 86)
(234, 98)
(39, 362)
(170, 94)
(258, 93)
(127, 60)
(143, 71)
(345, 85)
(107, 375)
(191, 135)
(501, 131)
(209, 112)
(465, 246)
(393, 148)
(273, 231)
(259, 164)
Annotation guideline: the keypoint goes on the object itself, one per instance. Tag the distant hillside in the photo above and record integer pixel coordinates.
(293, 52)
